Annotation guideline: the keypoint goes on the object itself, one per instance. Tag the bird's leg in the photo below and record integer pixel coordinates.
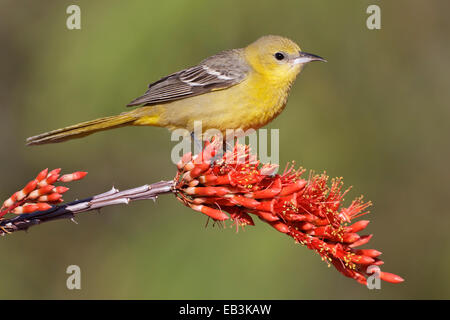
(226, 146)
(220, 152)
(198, 145)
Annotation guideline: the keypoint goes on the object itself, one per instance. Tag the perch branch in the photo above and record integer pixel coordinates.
(69, 210)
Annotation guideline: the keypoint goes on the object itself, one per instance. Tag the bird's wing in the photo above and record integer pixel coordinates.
(220, 71)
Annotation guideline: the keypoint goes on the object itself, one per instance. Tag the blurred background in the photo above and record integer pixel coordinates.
(377, 114)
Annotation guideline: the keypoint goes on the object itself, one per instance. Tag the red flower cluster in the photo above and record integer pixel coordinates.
(234, 187)
(40, 193)
(308, 210)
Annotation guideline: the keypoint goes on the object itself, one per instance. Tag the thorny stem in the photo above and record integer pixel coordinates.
(69, 210)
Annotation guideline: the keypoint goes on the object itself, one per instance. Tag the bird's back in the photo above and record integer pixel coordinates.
(245, 105)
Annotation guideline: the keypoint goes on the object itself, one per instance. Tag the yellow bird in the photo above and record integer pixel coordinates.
(239, 88)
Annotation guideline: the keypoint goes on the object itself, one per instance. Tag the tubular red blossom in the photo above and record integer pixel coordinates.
(265, 216)
(293, 187)
(358, 226)
(368, 252)
(211, 212)
(269, 192)
(28, 188)
(208, 191)
(280, 226)
(31, 208)
(390, 277)
(50, 198)
(54, 172)
(362, 241)
(245, 202)
(60, 189)
(51, 179)
(378, 262)
(39, 194)
(72, 176)
(309, 210)
(42, 175)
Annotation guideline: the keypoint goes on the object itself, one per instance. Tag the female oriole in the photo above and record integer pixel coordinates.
(239, 88)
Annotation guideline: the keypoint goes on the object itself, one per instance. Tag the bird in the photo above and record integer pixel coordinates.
(243, 88)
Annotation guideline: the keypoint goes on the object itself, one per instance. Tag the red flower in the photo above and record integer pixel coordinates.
(39, 194)
(308, 210)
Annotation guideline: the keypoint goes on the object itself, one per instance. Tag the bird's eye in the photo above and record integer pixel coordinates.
(279, 56)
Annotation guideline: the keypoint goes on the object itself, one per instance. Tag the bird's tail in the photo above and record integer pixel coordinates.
(82, 129)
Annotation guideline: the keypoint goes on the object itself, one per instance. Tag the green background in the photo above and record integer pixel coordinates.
(377, 114)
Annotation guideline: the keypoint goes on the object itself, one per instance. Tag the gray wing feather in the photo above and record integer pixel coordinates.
(220, 71)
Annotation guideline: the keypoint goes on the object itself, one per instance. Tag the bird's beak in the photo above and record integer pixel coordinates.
(307, 57)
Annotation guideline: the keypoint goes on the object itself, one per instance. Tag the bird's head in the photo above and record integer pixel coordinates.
(278, 58)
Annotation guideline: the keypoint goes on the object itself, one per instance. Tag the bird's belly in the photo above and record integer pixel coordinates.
(224, 109)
